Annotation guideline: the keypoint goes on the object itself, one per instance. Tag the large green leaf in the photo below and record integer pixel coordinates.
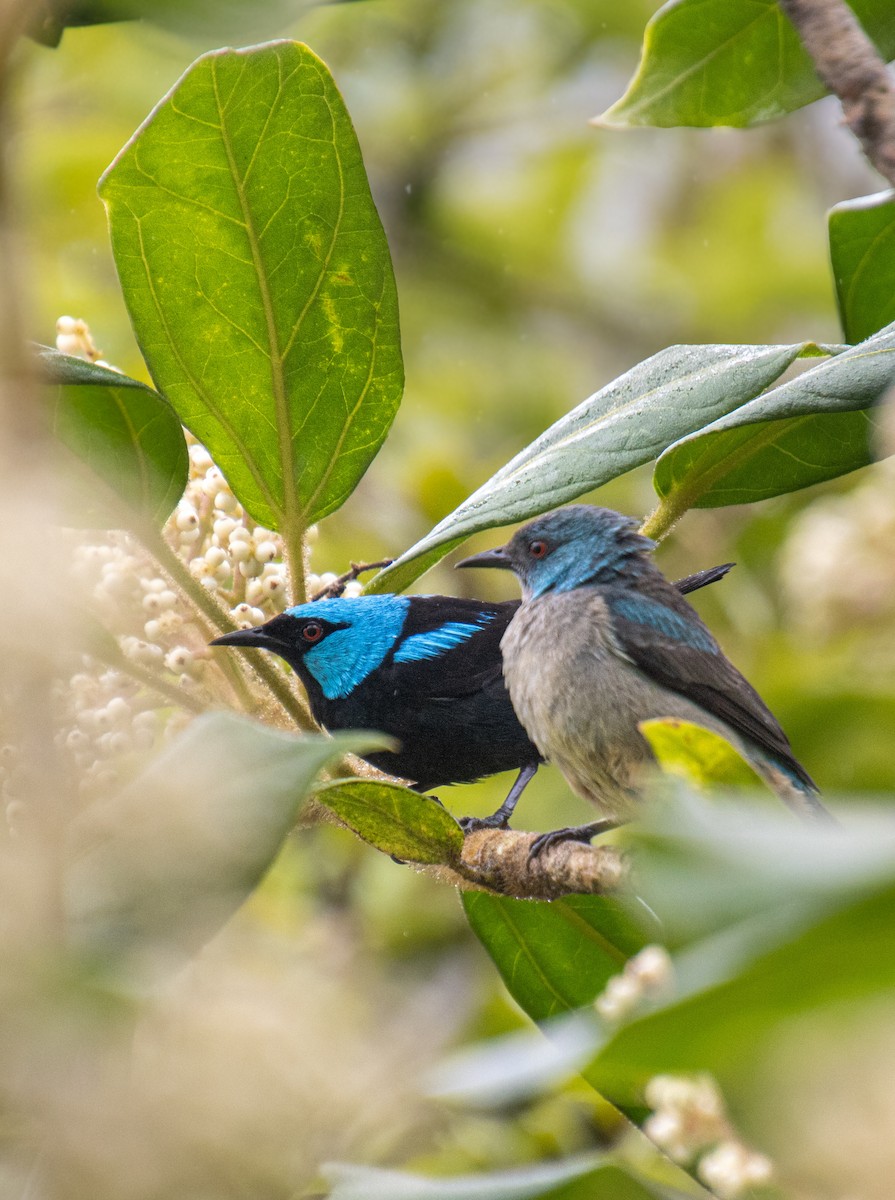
(728, 62)
(595, 1177)
(813, 428)
(258, 278)
(162, 865)
(862, 251)
(395, 819)
(625, 424)
(556, 956)
(128, 437)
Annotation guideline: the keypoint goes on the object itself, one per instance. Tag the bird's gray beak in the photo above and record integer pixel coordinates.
(247, 637)
(488, 558)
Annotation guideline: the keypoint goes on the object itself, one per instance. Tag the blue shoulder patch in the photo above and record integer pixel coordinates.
(436, 641)
(640, 610)
(347, 656)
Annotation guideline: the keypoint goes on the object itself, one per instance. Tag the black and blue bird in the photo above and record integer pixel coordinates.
(425, 669)
(601, 642)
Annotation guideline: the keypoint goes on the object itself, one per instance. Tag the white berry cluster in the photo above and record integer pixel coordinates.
(107, 715)
(73, 337)
(647, 974)
(241, 562)
(690, 1122)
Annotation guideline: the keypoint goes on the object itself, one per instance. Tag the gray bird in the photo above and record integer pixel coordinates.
(601, 642)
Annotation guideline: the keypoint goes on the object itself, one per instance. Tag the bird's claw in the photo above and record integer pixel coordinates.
(574, 833)
(474, 824)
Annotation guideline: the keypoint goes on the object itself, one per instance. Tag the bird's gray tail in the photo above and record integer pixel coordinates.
(803, 798)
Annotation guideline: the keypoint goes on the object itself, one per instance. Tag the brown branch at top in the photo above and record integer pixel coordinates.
(849, 65)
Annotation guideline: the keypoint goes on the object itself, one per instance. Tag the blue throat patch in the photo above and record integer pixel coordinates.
(346, 657)
(436, 641)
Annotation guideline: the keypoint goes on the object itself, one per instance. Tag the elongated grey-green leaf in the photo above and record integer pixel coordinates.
(625, 424)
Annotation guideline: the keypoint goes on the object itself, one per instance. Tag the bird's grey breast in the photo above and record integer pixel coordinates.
(581, 698)
(577, 695)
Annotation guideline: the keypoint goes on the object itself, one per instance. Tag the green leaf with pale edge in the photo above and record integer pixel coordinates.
(728, 62)
(815, 427)
(165, 863)
(556, 956)
(697, 755)
(591, 1177)
(258, 277)
(625, 424)
(127, 436)
(862, 252)
(395, 820)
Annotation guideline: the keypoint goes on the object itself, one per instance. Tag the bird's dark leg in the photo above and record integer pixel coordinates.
(501, 818)
(575, 833)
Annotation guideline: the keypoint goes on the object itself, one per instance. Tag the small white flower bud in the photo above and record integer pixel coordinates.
(115, 581)
(186, 518)
(169, 622)
(223, 527)
(147, 719)
(119, 710)
(254, 591)
(189, 537)
(620, 995)
(266, 552)
(652, 967)
(240, 534)
(153, 630)
(352, 589)
(103, 720)
(209, 583)
(731, 1169)
(214, 556)
(666, 1129)
(200, 459)
(119, 742)
(273, 585)
(240, 552)
(250, 568)
(226, 502)
(179, 660)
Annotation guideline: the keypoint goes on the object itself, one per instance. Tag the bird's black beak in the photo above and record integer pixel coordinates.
(247, 637)
(488, 558)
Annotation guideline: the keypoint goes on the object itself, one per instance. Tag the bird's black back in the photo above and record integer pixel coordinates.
(451, 712)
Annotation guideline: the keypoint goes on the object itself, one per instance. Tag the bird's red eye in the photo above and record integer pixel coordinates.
(312, 632)
(537, 549)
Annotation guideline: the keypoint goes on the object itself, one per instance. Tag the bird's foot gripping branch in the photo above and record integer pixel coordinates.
(417, 829)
